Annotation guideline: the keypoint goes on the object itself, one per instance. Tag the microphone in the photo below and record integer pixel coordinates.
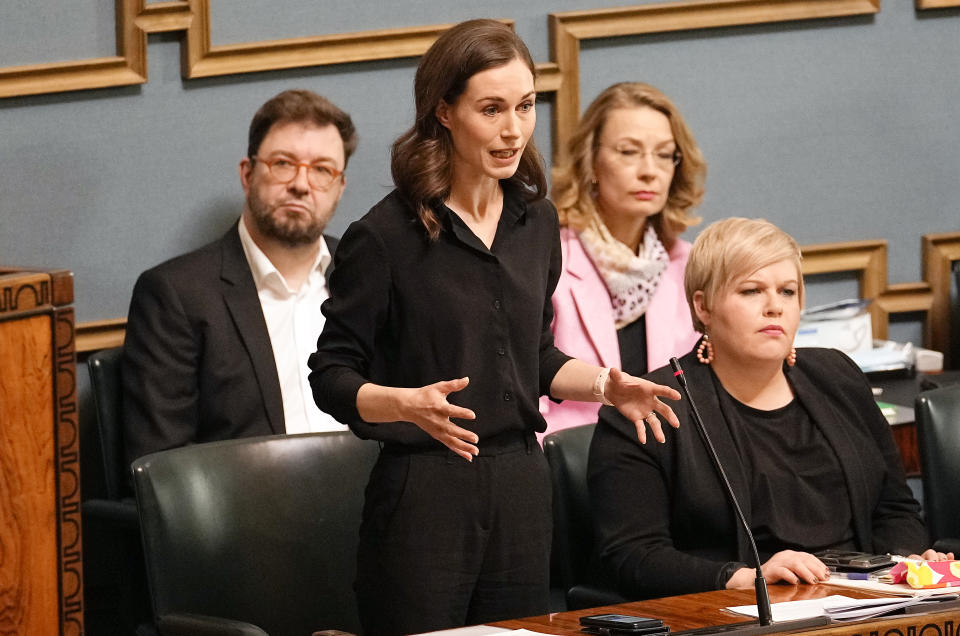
(764, 612)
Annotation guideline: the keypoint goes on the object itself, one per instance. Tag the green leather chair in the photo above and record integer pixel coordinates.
(256, 535)
(118, 503)
(938, 436)
(116, 583)
(574, 568)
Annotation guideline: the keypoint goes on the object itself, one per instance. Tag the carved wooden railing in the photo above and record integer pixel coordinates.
(41, 579)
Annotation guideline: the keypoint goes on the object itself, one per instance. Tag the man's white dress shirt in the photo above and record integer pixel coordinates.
(294, 322)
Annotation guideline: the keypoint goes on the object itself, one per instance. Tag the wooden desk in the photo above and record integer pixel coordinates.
(699, 610)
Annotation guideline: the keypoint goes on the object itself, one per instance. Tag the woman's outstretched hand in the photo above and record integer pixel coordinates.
(639, 401)
(428, 408)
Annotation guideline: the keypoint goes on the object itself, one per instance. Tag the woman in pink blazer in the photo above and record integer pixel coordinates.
(632, 178)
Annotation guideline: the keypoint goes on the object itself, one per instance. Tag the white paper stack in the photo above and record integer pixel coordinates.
(837, 607)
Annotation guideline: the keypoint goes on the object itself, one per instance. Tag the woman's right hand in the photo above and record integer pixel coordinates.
(428, 408)
(932, 555)
(788, 566)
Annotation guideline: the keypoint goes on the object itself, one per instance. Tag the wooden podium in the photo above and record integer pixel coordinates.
(41, 580)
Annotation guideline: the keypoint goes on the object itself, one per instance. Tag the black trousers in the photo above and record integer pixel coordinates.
(446, 542)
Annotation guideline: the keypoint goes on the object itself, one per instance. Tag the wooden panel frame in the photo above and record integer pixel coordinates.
(100, 334)
(868, 259)
(937, 4)
(568, 29)
(126, 68)
(561, 76)
(939, 252)
(199, 58)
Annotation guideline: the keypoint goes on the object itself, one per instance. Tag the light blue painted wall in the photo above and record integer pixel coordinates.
(836, 130)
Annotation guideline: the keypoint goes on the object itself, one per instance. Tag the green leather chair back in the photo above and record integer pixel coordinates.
(260, 530)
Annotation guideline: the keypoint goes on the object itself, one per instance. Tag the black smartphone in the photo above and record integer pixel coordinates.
(622, 624)
(840, 561)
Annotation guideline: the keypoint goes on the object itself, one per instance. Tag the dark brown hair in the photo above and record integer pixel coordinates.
(301, 106)
(573, 180)
(421, 160)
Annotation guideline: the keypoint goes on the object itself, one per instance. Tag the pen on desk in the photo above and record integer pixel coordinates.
(877, 576)
(854, 576)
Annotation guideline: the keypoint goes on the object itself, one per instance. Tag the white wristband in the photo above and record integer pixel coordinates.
(600, 384)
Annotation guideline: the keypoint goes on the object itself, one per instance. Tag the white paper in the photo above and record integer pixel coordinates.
(477, 630)
(875, 608)
(484, 630)
(837, 607)
(867, 608)
(900, 589)
(794, 610)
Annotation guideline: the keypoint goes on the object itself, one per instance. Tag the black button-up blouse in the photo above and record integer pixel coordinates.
(406, 311)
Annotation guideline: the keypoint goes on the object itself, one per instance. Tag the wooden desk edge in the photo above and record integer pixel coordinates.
(699, 610)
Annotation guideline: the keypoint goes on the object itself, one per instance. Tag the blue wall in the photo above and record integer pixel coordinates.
(837, 130)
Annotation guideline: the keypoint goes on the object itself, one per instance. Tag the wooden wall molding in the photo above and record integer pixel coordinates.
(901, 298)
(199, 58)
(568, 29)
(939, 253)
(937, 4)
(127, 67)
(136, 19)
(100, 334)
(868, 259)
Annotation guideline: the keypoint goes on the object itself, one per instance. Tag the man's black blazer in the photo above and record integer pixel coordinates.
(197, 361)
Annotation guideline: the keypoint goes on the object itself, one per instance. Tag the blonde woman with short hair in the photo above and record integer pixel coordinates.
(806, 449)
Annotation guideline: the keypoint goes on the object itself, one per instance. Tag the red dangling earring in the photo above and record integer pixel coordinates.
(705, 344)
(792, 358)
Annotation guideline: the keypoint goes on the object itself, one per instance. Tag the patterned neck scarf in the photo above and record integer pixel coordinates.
(631, 278)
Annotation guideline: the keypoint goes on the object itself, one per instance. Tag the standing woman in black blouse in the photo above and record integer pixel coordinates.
(437, 343)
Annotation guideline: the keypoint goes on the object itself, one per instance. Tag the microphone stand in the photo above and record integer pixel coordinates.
(764, 624)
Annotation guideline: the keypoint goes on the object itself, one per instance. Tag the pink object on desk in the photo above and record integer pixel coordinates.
(927, 574)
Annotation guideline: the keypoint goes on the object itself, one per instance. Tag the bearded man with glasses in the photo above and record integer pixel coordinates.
(217, 339)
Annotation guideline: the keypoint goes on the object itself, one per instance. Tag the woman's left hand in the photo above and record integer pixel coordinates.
(638, 400)
(932, 555)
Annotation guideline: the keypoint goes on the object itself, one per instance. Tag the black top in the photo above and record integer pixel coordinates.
(406, 311)
(663, 523)
(813, 476)
(632, 340)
